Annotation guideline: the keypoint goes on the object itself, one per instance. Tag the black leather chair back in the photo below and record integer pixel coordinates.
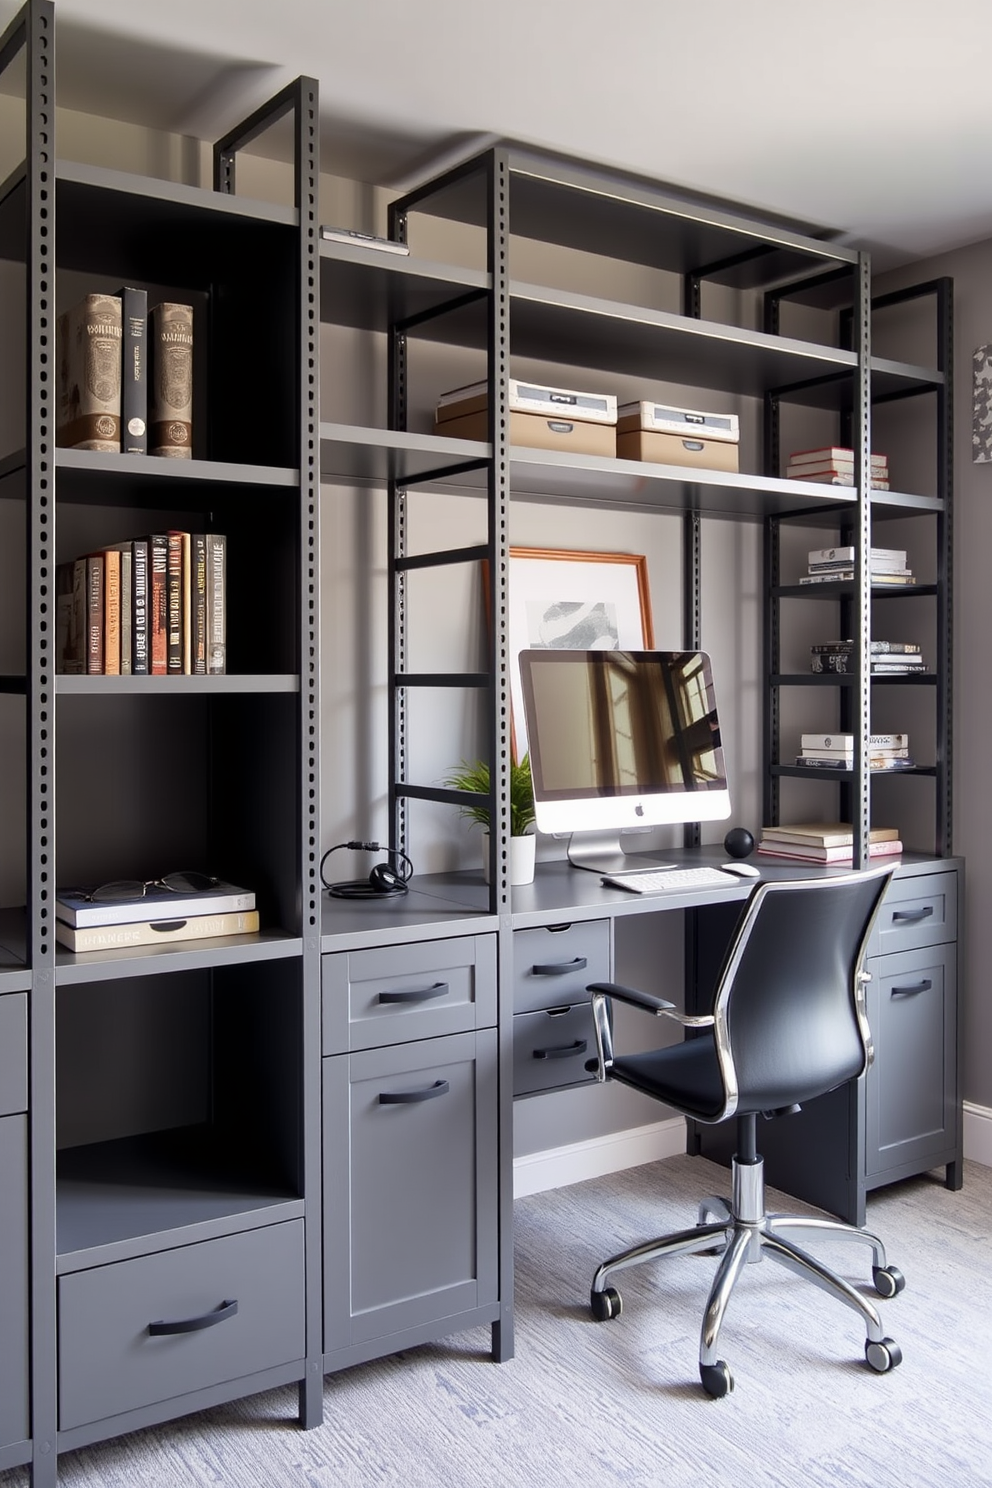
(789, 1016)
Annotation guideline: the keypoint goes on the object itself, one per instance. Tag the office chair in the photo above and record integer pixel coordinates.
(788, 1024)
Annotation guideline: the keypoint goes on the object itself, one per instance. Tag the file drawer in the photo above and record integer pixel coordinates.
(551, 1048)
(552, 967)
(397, 993)
(13, 1053)
(113, 1356)
(916, 911)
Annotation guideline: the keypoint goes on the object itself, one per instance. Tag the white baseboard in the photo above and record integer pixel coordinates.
(978, 1133)
(599, 1155)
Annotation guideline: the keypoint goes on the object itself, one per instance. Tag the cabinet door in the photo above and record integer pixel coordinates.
(910, 1090)
(13, 1280)
(410, 1188)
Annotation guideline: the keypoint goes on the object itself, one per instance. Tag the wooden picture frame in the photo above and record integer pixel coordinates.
(578, 600)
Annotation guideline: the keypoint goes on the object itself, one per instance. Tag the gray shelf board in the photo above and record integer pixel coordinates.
(230, 682)
(845, 588)
(172, 196)
(807, 772)
(368, 289)
(360, 456)
(845, 679)
(429, 912)
(123, 1198)
(574, 206)
(74, 968)
(106, 480)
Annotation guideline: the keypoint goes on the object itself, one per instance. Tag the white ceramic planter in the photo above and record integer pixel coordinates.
(523, 852)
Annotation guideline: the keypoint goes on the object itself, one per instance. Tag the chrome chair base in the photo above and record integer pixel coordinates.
(739, 1231)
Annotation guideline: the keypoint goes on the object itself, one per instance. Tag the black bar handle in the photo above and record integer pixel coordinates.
(562, 1051)
(415, 994)
(923, 986)
(912, 915)
(407, 1097)
(560, 968)
(195, 1324)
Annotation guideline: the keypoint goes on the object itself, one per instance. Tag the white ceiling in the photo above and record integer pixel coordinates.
(870, 117)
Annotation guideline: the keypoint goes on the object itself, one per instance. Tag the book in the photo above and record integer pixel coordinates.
(834, 478)
(846, 742)
(198, 603)
(827, 648)
(88, 372)
(800, 470)
(134, 370)
(875, 565)
(827, 854)
(898, 556)
(845, 661)
(846, 762)
(824, 834)
(174, 604)
(834, 454)
(139, 606)
(74, 907)
(365, 239)
(127, 601)
(111, 612)
(155, 932)
(848, 573)
(158, 563)
(187, 600)
(71, 609)
(842, 754)
(94, 615)
(216, 582)
(170, 424)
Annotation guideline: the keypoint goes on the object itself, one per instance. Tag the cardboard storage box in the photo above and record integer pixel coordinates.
(678, 436)
(540, 417)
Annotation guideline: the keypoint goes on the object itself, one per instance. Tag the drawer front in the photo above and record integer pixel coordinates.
(551, 1047)
(915, 912)
(13, 1053)
(552, 967)
(14, 1355)
(113, 1358)
(398, 993)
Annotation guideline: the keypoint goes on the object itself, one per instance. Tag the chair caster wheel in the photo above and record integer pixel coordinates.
(883, 1356)
(888, 1280)
(606, 1304)
(717, 1379)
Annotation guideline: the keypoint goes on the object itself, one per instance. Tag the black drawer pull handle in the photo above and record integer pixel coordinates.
(923, 986)
(562, 1051)
(407, 1097)
(195, 1324)
(561, 968)
(415, 994)
(912, 915)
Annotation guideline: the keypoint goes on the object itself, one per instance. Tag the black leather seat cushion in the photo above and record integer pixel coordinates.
(685, 1076)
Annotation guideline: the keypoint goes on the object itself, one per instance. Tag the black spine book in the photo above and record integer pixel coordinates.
(139, 607)
(174, 604)
(134, 370)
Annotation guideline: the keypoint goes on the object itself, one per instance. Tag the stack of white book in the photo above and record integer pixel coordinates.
(825, 842)
(837, 752)
(156, 918)
(833, 465)
(887, 658)
(885, 565)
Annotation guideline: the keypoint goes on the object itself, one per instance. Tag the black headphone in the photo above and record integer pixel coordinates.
(382, 883)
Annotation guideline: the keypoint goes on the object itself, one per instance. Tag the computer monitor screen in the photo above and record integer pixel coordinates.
(622, 740)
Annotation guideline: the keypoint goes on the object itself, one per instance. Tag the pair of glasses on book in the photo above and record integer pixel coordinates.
(134, 888)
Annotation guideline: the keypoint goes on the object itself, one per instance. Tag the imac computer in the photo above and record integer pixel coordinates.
(621, 741)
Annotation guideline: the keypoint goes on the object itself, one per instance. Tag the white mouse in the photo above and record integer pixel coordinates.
(743, 870)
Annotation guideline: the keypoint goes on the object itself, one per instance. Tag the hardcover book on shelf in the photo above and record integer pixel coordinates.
(111, 612)
(824, 834)
(811, 854)
(88, 351)
(845, 662)
(846, 742)
(364, 239)
(75, 907)
(836, 454)
(198, 603)
(71, 617)
(846, 762)
(875, 578)
(155, 932)
(174, 604)
(158, 564)
(897, 557)
(170, 431)
(134, 370)
(94, 614)
(216, 581)
(879, 648)
(139, 606)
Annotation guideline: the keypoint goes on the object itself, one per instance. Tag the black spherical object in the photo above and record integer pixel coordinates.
(739, 842)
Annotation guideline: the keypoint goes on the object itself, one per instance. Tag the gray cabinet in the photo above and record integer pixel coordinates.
(13, 1280)
(553, 1038)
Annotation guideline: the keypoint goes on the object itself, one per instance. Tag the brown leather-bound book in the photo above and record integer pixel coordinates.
(89, 375)
(170, 430)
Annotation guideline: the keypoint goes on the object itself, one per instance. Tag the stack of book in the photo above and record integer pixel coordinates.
(836, 752)
(158, 918)
(154, 606)
(125, 376)
(825, 842)
(888, 658)
(833, 465)
(885, 566)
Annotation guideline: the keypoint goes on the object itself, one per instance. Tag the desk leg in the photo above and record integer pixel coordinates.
(502, 1337)
(311, 1396)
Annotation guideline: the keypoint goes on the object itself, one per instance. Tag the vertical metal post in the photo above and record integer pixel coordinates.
(497, 538)
(861, 443)
(692, 616)
(771, 793)
(945, 566)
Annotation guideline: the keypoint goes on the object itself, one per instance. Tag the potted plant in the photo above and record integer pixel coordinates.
(473, 775)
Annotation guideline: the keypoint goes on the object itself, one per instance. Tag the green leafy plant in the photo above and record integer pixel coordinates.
(473, 775)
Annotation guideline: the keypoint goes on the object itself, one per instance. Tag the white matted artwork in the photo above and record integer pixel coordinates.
(981, 426)
(577, 601)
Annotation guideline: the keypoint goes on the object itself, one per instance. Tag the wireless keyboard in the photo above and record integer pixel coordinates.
(664, 879)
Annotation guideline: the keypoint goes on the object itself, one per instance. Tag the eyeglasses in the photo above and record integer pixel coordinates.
(133, 888)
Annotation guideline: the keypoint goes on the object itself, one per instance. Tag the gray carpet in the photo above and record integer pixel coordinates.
(587, 1403)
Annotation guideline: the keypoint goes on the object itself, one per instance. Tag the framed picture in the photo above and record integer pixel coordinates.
(582, 601)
